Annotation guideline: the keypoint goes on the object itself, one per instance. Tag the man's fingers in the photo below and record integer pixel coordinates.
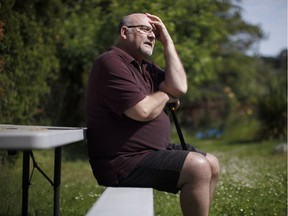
(153, 17)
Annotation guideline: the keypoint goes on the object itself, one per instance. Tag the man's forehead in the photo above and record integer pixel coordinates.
(140, 19)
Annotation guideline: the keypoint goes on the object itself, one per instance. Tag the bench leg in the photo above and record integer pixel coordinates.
(57, 180)
(25, 182)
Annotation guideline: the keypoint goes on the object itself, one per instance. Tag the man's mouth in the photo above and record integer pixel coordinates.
(149, 43)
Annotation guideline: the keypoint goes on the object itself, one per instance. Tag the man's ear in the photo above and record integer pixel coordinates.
(124, 32)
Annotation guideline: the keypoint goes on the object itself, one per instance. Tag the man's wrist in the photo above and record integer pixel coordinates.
(165, 96)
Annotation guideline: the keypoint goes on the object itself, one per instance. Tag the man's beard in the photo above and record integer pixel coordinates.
(147, 51)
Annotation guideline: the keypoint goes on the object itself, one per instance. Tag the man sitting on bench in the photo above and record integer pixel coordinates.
(128, 130)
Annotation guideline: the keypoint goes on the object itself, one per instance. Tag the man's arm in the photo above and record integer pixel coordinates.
(150, 107)
(175, 83)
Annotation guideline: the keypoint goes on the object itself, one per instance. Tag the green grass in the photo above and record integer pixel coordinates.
(253, 182)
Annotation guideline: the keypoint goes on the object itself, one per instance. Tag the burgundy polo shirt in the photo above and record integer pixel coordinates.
(117, 143)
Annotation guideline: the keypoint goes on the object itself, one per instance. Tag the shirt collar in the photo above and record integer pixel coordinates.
(122, 54)
(125, 55)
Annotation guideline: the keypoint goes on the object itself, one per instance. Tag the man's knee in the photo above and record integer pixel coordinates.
(214, 163)
(196, 168)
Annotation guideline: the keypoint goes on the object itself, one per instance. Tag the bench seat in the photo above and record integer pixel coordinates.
(124, 202)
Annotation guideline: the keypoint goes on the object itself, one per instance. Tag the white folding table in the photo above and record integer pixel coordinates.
(28, 138)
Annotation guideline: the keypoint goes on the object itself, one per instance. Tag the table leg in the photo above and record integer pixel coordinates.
(25, 182)
(57, 180)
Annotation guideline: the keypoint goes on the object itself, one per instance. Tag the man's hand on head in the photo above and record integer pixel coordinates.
(161, 32)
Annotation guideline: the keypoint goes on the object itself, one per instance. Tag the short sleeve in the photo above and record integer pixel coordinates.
(119, 89)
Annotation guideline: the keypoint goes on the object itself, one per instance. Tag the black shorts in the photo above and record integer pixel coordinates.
(159, 170)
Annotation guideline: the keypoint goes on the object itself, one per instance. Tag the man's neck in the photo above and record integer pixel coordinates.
(131, 53)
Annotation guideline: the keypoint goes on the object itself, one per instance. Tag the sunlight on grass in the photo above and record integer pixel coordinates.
(252, 186)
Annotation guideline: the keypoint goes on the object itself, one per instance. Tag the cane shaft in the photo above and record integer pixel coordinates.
(183, 144)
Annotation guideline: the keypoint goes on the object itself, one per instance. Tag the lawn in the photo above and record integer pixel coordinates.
(253, 182)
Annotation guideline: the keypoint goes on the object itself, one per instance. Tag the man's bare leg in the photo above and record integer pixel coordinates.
(197, 182)
(215, 167)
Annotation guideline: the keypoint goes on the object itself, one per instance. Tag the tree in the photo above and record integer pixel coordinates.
(27, 58)
(48, 48)
(271, 105)
(76, 47)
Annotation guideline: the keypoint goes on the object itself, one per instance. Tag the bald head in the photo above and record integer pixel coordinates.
(132, 19)
(136, 36)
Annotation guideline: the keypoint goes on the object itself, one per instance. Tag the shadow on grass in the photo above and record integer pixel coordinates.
(75, 151)
(244, 142)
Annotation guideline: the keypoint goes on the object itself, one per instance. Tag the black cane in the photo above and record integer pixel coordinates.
(172, 110)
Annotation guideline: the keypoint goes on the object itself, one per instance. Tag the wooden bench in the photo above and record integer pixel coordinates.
(124, 202)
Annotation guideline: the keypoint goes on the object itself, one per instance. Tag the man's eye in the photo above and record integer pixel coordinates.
(146, 29)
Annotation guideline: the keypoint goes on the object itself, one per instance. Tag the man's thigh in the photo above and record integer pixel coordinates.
(159, 170)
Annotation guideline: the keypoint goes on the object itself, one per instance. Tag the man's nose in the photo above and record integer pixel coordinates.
(152, 35)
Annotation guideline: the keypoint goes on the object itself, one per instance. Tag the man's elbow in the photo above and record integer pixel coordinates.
(183, 90)
(180, 91)
(174, 91)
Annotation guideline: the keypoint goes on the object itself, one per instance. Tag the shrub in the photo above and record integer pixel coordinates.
(272, 110)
